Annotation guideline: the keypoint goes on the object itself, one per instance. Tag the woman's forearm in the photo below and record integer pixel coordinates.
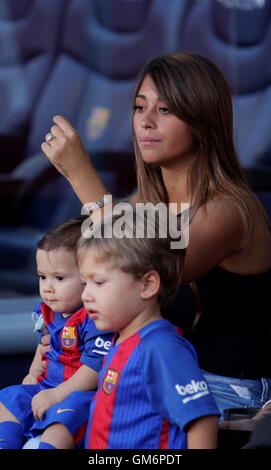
(87, 184)
(65, 151)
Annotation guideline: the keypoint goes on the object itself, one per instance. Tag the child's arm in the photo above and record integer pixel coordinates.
(202, 433)
(84, 379)
(36, 368)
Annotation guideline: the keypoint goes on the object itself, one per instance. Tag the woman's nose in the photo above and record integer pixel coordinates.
(148, 120)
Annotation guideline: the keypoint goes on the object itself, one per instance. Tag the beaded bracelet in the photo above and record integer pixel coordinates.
(90, 207)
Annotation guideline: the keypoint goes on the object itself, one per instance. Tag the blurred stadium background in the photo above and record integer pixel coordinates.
(80, 58)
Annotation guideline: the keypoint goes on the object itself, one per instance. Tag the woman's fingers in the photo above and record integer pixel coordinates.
(64, 125)
(47, 149)
(57, 132)
(66, 152)
(60, 135)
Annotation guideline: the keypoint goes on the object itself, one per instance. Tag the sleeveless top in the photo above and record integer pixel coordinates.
(232, 337)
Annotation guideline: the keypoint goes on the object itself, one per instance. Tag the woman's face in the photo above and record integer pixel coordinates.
(162, 137)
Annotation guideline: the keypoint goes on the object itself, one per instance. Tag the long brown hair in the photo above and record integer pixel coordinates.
(196, 92)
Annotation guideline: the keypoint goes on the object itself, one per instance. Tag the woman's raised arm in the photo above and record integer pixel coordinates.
(64, 149)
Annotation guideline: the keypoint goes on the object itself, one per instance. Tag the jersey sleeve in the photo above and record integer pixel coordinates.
(96, 345)
(176, 387)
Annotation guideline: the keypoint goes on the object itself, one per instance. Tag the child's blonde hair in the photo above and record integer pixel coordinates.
(137, 256)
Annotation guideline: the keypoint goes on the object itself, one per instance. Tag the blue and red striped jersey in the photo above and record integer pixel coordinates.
(150, 389)
(74, 341)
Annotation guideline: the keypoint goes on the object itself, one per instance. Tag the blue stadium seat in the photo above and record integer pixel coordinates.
(96, 69)
(237, 37)
(103, 45)
(28, 44)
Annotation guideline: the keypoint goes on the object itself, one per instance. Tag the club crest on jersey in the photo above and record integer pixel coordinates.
(110, 380)
(69, 336)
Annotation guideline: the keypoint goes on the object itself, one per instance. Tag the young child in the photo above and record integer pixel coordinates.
(151, 393)
(76, 346)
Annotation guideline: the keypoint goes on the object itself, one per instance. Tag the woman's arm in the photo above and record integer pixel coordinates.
(66, 152)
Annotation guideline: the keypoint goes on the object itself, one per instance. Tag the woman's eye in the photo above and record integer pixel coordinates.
(41, 277)
(60, 278)
(137, 107)
(164, 110)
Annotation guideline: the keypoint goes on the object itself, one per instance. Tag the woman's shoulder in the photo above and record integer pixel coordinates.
(215, 205)
(215, 233)
(218, 215)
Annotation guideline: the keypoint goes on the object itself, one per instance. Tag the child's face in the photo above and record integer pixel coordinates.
(60, 284)
(111, 297)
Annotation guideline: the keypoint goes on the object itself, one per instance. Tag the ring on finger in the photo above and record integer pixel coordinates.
(49, 137)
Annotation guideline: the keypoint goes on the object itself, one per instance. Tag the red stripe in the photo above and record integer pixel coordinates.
(45, 373)
(77, 318)
(104, 407)
(47, 313)
(70, 358)
(164, 435)
(179, 331)
(70, 369)
(80, 433)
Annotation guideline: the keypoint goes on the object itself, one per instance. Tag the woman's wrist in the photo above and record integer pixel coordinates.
(88, 186)
(89, 208)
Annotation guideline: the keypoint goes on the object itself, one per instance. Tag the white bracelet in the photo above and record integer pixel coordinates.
(90, 207)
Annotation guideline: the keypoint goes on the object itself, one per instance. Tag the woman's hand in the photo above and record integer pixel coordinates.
(64, 149)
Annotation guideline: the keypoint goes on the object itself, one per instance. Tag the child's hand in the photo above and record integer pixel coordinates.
(43, 401)
(30, 380)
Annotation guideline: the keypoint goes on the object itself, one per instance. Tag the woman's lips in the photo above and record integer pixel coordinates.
(147, 141)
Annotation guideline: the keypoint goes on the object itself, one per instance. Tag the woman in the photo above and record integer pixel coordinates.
(182, 126)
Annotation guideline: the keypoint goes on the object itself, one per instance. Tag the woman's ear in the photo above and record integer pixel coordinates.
(150, 284)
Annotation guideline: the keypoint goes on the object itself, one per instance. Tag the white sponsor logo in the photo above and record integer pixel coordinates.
(100, 343)
(193, 389)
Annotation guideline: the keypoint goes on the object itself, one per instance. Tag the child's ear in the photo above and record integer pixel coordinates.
(150, 284)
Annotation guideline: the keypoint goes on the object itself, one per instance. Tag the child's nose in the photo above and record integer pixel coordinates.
(48, 286)
(87, 296)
